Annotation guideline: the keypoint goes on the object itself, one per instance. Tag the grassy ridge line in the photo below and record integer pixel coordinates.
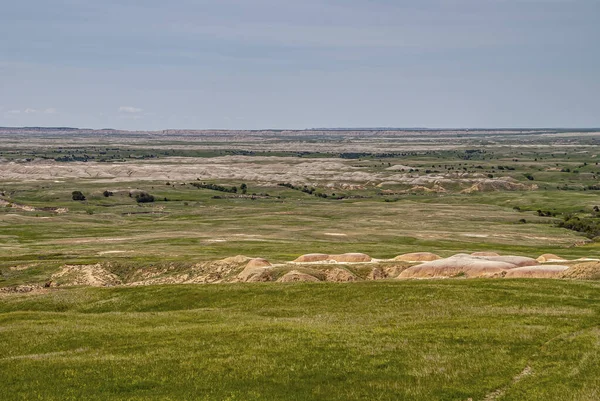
(426, 340)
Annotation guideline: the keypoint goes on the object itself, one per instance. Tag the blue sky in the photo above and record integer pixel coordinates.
(298, 64)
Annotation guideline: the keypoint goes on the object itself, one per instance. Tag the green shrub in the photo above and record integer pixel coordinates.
(144, 197)
(78, 196)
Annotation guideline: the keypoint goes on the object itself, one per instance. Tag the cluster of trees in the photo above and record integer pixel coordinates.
(220, 188)
(354, 155)
(546, 213)
(471, 154)
(144, 197)
(589, 226)
(77, 196)
(73, 158)
(306, 190)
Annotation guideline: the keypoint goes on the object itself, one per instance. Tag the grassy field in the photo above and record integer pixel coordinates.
(193, 226)
(433, 340)
(386, 194)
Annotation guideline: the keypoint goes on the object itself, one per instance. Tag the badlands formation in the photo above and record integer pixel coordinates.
(317, 267)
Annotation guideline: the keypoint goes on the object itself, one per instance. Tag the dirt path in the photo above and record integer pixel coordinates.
(496, 394)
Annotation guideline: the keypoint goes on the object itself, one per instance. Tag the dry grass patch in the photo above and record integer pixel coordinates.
(96, 275)
(583, 271)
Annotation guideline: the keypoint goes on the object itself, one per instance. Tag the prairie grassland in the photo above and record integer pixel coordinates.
(444, 192)
(386, 194)
(193, 227)
(426, 340)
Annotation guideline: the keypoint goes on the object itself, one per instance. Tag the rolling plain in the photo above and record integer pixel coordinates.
(141, 288)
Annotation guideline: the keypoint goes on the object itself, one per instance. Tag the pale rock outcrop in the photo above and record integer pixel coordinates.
(544, 271)
(417, 257)
(296, 276)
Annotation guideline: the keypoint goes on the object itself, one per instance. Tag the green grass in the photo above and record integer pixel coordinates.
(279, 230)
(194, 227)
(387, 340)
(432, 340)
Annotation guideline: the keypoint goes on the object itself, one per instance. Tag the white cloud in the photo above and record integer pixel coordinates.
(30, 110)
(130, 109)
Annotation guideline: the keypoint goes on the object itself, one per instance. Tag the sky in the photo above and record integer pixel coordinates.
(257, 64)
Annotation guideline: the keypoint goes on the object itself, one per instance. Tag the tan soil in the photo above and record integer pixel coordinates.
(234, 260)
(545, 271)
(418, 257)
(257, 270)
(21, 267)
(312, 257)
(255, 275)
(420, 188)
(350, 258)
(261, 276)
(394, 270)
(329, 172)
(89, 275)
(583, 271)
(550, 257)
(519, 261)
(22, 289)
(258, 262)
(339, 275)
(216, 271)
(25, 208)
(244, 269)
(504, 184)
(376, 274)
(296, 276)
(400, 167)
(484, 254)
(458, 265)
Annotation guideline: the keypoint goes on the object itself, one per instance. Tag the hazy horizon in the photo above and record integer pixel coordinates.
(341, 129)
